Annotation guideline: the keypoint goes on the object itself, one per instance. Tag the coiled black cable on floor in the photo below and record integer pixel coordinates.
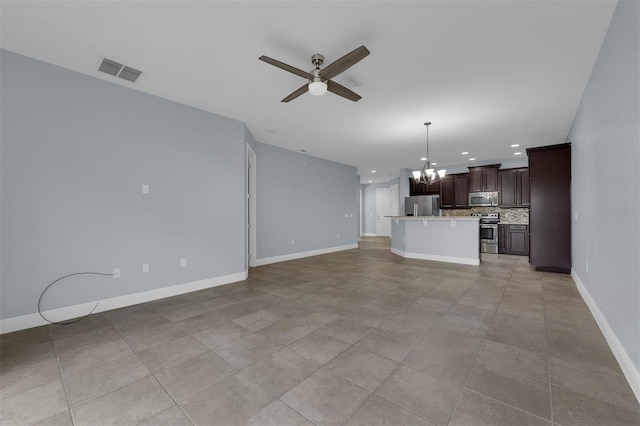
(59, 279)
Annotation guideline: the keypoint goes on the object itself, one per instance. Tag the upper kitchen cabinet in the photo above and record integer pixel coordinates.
(454, 191)
(446, 192)
(421, 188)
(461, 191)
(513, 188)
(483, 179)
(550, 210)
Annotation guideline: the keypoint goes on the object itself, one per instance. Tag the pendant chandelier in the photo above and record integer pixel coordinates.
(428, 174)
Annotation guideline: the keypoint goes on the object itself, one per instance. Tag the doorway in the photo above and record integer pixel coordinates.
(251, 207)
(383, 208)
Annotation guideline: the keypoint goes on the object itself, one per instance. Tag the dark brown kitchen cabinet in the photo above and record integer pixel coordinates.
(454, 191)
(513, 239)
(483, 179)
(461, 191)
(446, 192)
(524, 198)
(502, 238)
(513, 188)
(550, 210)
(421, 188)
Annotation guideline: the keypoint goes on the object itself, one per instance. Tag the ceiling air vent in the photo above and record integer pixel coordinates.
(110, 67)
(129, 73)
(116, 69)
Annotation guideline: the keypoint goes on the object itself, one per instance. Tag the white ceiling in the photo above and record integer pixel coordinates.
(488, 74)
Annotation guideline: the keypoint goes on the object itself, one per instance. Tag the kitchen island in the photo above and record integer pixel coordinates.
(454, 239)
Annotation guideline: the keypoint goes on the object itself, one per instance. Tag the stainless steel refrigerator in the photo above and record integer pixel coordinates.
(422, 205)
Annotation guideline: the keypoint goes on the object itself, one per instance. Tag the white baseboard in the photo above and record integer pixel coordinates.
(626, 364)
(369, 234)
(300, 255)
(62, 314)
(437, 258)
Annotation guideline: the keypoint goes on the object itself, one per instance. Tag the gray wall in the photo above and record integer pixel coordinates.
(75, 151)
(303, 198)
(405, 188)
(605, 180)
(369, 205)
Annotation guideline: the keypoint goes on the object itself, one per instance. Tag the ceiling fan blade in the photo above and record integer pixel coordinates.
(340, 90)
(286, 67)
(301, 91)
(347, 61)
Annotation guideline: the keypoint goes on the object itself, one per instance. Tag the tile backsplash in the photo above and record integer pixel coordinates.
(519, 216)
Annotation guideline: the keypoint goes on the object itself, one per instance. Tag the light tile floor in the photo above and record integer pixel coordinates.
(359, 337)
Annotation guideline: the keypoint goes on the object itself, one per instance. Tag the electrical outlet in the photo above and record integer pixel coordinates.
(116, 273)
(145, 267)
(293, 241)
(145, 188)
(183, 262)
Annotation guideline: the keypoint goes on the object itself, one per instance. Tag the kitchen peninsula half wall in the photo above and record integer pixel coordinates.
(443, 239)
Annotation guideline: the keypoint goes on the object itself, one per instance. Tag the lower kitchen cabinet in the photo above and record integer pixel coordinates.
(513, 239)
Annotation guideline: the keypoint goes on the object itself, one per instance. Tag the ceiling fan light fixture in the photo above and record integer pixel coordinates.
(317, 87)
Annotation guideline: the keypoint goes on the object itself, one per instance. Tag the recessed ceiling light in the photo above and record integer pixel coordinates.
(373, 171)
(517, 153)
(515, 145)
(370, 181)
(464, 152)
(472, 159)
(423, 159)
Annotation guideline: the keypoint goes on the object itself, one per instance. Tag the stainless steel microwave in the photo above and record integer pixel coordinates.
(483, 199)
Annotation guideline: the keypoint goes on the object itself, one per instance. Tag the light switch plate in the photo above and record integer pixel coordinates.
(145, 188)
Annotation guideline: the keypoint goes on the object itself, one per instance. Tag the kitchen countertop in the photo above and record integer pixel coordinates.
(472, 218)
(502, 222)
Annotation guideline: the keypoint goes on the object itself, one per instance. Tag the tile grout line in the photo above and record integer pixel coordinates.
(482, 344)
(398, 405)
(546, 346)
(64, 386)
(156, 379)
(508, 405)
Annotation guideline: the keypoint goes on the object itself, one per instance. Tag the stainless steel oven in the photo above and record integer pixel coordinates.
(488, 238)
(488, 232)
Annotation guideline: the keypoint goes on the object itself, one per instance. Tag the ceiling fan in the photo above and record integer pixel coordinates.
(320, 79)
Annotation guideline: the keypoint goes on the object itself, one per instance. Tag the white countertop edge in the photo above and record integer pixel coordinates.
(465, 218)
